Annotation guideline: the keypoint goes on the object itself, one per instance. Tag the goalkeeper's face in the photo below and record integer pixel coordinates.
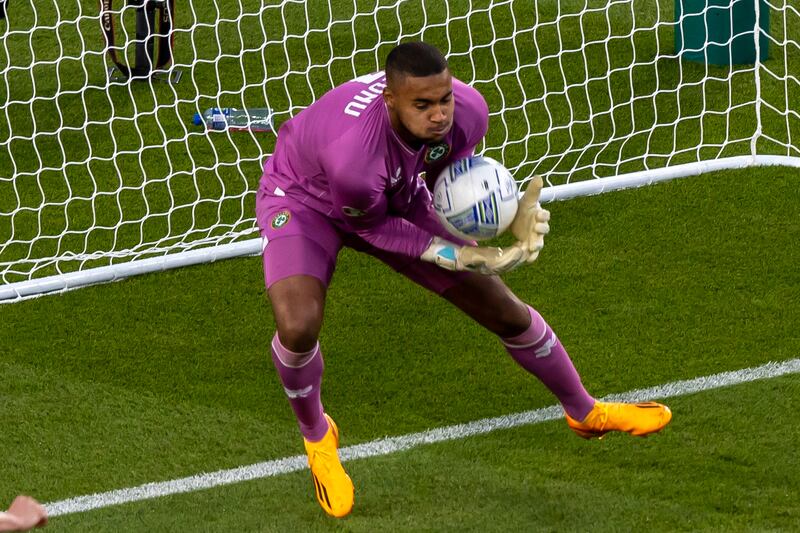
(421, 108)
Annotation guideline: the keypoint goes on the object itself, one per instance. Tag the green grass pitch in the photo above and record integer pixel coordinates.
(168, 375)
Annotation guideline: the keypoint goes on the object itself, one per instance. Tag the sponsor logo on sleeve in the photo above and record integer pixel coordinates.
(280, 219)
(436, 152)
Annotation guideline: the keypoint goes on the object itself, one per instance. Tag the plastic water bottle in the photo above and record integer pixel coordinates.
(232, 119)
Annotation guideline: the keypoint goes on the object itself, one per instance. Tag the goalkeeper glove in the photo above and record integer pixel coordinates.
(530, 225)
(481, 259)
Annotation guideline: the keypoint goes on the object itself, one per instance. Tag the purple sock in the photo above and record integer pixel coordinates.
(301, 375)
(539, 351)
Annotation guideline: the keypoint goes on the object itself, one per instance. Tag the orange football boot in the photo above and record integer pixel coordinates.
(638, 419)
(332, 485)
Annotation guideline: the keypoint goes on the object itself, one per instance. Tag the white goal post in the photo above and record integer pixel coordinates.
(103, 178)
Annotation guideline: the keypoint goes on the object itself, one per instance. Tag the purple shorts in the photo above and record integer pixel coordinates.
(298, 240)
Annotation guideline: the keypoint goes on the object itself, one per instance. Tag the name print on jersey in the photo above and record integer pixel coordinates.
(376, 83)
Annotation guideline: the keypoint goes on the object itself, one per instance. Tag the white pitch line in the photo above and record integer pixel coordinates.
(395, 444)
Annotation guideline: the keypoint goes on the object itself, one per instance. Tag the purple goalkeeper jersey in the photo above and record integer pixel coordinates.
(342, 158)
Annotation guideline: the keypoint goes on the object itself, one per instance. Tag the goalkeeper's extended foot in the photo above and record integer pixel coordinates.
(332, 485)
(638, 419)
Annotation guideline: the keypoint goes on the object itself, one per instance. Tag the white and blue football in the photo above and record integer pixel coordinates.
(475, 198)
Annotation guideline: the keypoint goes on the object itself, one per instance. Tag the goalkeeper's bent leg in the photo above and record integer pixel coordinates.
(539, 351)
(301, 375)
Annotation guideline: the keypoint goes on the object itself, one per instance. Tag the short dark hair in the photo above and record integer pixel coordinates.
(416, 59)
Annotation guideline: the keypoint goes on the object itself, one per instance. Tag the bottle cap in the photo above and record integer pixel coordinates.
(197, 120)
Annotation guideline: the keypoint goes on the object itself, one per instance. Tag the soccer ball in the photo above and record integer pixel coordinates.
(475, 198)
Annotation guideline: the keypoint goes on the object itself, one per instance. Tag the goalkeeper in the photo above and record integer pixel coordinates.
(351, 170)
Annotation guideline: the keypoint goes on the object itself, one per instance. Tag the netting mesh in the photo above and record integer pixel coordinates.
(94, 172)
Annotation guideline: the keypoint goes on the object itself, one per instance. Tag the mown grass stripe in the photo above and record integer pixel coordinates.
(404, 442)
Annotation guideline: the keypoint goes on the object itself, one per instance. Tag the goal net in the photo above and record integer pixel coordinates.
(104, 178)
